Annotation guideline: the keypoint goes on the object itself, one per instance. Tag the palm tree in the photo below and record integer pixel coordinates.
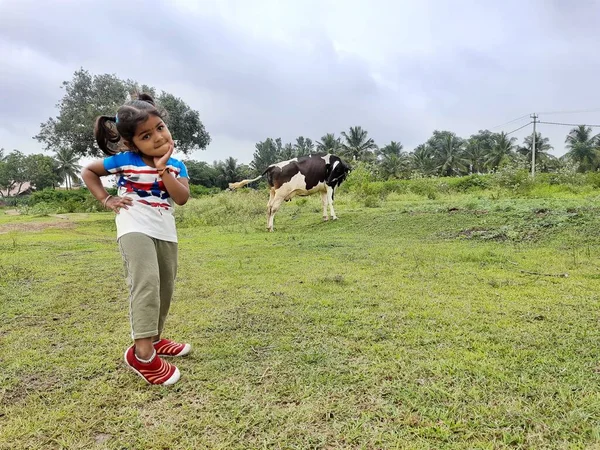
(267, 152)
(475, 155)
(329, 143)
(230, 169)
(67, 168)
(358, 145)
(542, 147)
(448, 150)
(392, 149)
(392, 160)
(227, 171)
(288, 152)
(583, 147)
(303, 146)
(502, 148)
(422, 160)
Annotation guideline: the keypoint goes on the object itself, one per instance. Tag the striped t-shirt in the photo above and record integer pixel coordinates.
(152, 209)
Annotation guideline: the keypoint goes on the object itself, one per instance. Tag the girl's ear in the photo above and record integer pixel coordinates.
(129, 145)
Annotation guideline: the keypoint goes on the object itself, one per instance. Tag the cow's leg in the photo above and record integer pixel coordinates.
(275, 204)
(330, 200)
(271, 197)
(324, 202)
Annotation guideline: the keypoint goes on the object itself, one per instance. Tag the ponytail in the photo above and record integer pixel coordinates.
(106, 134)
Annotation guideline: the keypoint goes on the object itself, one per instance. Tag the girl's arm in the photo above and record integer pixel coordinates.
(178, 188)
(91, 177)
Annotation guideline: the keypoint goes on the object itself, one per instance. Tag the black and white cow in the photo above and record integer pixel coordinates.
(302, 176)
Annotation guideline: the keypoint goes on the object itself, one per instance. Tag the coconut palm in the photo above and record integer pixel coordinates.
(68, 167)
(358, 146)
(303, 146)
(448, 150)
(329, 144)
(227, 171)
(230, 169)
(583, 147)
(422, 160)
(475, 155)
(503, 148)
(287, 152)
(542, 147)
(393, 162)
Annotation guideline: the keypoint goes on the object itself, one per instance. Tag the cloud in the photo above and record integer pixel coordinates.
(282, 69)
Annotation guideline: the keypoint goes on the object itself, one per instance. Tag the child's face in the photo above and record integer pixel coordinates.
(152, 137)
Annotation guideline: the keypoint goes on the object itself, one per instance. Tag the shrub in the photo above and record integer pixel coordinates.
(470, 182)
(197, 190)
(372, 201)
(513, 178)
(593, 179)
(49, 201)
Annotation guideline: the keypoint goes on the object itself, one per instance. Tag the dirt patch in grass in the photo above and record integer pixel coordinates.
(478, 233)
(27, 385)
(35, 226)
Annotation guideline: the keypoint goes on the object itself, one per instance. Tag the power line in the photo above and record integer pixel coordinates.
(570, 124)
(507, 123)
(520, 128)
(572, 112)
(553, 123)
(550, 112)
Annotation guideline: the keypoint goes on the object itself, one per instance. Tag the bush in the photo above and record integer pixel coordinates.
(593, 179)
(14, 201)
(470, 183)
(61, 197)
(359, 180)
(565, 175)
(372, 201)
(39, 209)
(48, 201)
(396, 186)
(225, 208)
(197, 190)
(515, 179)
(427, 187)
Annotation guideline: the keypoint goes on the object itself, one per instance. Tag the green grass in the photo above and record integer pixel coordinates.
(409, 323)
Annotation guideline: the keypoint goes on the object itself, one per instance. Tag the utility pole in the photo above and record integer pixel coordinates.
(534, 117)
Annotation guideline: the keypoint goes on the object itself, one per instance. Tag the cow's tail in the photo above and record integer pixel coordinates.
(243, 183)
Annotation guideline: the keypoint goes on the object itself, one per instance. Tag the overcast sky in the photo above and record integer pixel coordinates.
(267, 68)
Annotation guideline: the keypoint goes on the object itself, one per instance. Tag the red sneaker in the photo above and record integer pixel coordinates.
(156, 371)
(166, 347)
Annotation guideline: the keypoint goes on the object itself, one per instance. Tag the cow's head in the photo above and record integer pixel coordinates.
(339, 171)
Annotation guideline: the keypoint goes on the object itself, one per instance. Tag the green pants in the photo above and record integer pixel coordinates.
(150, 267)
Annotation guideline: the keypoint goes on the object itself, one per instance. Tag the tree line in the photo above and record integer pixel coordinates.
(70, 136)
(38, 170)
(443, 154)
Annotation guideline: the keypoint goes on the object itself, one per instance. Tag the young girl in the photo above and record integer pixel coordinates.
(149, 182)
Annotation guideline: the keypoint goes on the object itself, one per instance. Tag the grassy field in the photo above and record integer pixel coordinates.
(455, 322)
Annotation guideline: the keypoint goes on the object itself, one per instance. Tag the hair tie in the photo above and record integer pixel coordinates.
(117, 118)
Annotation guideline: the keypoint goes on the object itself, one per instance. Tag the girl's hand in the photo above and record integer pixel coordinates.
(116, 203)
(160, 162)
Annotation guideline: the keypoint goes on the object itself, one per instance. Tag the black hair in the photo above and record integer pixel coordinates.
(110, 131)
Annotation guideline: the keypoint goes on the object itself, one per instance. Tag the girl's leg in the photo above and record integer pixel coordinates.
(167, 266)
(167, 262)
(143, 279)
